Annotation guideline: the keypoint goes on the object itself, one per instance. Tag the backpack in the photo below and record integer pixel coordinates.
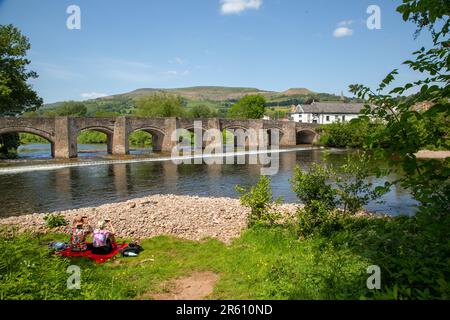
(132, 250)
(57, 246)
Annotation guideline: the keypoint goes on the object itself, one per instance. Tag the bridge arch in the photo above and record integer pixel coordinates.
(105, 130)
(269, 134)
(40, 133)
(306, 136)
(242, 136)
(156, 133)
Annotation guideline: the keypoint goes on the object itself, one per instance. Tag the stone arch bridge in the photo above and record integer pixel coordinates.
(62, 132)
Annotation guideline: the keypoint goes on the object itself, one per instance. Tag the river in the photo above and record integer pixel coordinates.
(79, 185)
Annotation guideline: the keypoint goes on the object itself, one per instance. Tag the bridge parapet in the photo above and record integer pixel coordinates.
(62, 132)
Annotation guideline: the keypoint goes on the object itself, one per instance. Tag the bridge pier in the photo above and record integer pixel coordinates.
(289, 138)
(171, 125)
(65, 145)
(120, 145)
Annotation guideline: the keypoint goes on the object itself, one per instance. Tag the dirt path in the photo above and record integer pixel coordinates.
(426, 154)
(197, 286)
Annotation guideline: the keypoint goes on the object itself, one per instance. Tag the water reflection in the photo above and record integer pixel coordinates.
(44, 191)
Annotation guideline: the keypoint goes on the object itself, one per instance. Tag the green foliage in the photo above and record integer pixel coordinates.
(54, 220)
(317, 219)
(321, 189)
(140, 139)
(162, 105)
(27, 138)
(9, 143)
(313, 185)
(411, 254)
(16, 95)
(92, 137)
(249, 107)
(202, 111)
(354, 134)
(71, 109)
(410, 128)
(353, 185)
(260, 200)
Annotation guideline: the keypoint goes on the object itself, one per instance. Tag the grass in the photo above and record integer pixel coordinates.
(264, 263)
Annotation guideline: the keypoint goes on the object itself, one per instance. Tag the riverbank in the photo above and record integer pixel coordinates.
(185, 217)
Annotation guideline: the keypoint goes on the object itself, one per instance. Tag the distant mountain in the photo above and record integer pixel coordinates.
(197, 93)
(220, 98)
(297, 91)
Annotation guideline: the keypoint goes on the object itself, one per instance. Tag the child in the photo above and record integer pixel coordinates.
(78, 234)
(103, 239)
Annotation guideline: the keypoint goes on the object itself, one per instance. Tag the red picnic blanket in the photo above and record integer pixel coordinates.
(98, 258)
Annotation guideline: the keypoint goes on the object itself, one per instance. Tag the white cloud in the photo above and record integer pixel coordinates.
(93, 95)
(177, 60)
(237, 6)
(342, 32)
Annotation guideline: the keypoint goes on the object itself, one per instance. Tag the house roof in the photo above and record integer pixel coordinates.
(332, 107)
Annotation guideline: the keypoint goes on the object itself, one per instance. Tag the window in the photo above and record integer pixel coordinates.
(328, 118)
(343, 118)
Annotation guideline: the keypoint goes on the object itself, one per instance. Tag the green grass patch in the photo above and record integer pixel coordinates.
(266, 262)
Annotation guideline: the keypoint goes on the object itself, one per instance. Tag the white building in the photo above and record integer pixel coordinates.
(326, 112)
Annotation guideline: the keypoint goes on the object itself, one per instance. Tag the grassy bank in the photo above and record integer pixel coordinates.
(264, 263)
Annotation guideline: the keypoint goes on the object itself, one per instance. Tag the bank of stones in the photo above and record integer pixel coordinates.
(187, 217)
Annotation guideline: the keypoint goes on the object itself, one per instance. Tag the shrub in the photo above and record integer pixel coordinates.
(317, 219)
(54, 220)
(354, 189)
(311, 185)
(354, 134)
(260, 200)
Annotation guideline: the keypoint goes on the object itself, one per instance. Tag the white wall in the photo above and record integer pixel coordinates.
(322, 118)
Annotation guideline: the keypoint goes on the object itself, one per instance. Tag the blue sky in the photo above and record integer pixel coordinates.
(267, 44)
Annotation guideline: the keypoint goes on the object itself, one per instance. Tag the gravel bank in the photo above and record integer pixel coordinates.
(193, 218)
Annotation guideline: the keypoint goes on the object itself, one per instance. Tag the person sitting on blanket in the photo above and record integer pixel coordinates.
(103, 239)
(80, 230)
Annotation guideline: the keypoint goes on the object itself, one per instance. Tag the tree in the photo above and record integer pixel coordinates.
(202, 111)
(410, 129)
(249, 107)
(16, 95)
(160, 105)
(71, 108)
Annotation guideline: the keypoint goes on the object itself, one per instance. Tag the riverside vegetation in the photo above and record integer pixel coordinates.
(322, 252)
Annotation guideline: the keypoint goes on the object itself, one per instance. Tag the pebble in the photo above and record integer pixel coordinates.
(185, 217)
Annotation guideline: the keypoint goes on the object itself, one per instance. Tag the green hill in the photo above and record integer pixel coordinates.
(220, 98)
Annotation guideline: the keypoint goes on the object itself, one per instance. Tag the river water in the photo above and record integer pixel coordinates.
(79, 185)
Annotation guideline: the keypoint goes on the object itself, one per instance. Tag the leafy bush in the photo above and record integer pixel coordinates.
(312, 185)
(54, 220)
(354, 134)
(260, 200)
(413, 257)
(317, 219)
(353, 187)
